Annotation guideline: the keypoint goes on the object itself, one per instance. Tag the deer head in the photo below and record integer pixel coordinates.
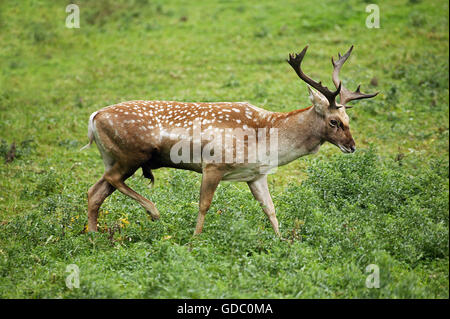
(334, 123)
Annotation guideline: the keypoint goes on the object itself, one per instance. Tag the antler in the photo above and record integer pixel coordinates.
(346, 95)
(295, 61)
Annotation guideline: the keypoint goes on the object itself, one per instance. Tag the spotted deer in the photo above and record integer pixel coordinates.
(143, 134)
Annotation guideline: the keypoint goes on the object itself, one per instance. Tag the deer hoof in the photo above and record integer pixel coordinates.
(154, 217)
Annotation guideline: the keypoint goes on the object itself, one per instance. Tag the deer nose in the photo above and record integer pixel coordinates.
(352, 148)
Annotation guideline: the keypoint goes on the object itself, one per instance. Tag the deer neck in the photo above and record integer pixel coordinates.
(299, 133)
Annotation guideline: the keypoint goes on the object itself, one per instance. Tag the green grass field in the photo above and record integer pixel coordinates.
(387, 204)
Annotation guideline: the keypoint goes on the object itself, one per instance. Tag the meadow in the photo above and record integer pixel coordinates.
(387, 204)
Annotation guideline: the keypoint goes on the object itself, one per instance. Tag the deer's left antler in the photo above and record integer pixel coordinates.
(296, 62)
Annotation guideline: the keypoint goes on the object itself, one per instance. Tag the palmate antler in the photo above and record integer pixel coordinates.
(295, 61)
(345, 94)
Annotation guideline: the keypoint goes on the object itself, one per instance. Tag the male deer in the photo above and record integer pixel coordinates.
(143, 134)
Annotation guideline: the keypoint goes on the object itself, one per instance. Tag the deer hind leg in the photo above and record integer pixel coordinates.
(210, 179)
(260, 191)
(116, 176)
(96, 196)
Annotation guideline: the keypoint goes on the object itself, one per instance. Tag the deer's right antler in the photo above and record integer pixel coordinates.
(346, 95)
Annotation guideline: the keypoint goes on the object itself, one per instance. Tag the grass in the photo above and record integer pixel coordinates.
(387, 204)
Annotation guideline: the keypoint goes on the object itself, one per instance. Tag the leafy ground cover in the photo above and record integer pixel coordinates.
(387, 204)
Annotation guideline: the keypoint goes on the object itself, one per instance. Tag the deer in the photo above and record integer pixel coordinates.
(140, 134)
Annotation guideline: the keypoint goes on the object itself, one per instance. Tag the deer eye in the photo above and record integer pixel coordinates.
(333, 123)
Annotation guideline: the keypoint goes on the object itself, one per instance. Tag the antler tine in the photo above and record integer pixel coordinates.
(345, 94)
(338, 65)
(295, 61)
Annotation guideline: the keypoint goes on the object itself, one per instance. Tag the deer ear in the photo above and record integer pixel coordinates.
(319, 102)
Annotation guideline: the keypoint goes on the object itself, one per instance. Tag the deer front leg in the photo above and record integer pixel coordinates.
(210, 179)
(260, 191)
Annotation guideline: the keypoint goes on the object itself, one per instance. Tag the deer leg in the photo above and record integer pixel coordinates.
(116, 177)
(260, 191)
(96, 196)
(210, 179)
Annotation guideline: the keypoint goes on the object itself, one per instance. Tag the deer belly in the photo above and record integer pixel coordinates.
(245, 173)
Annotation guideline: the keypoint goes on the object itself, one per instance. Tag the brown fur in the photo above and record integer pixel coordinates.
(141, 134)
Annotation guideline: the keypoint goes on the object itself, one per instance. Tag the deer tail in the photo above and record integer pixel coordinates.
(90, 131)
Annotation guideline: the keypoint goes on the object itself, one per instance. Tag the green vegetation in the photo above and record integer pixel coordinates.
(387, 204)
